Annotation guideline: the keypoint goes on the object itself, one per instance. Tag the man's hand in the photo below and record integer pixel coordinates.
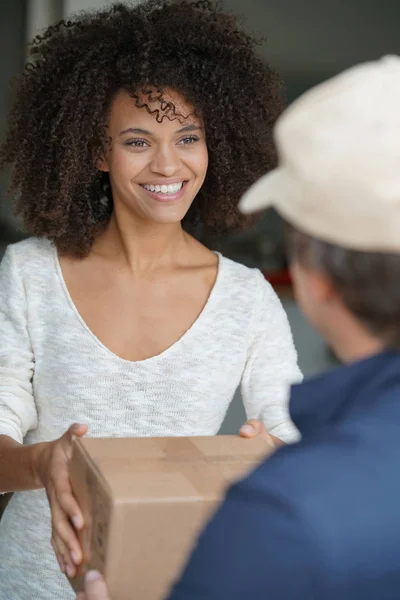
(95, 588)
(254, 427)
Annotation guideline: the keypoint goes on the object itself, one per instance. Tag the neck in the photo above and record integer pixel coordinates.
(351, 341)
(142, 245)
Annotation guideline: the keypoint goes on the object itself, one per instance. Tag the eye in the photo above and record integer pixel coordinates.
(190, 139)
(136, 143)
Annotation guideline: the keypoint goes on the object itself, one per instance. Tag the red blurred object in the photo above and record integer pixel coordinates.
(279, 278)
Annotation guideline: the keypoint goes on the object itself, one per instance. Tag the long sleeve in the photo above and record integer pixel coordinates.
(17, 407)
(258, 546)
(271, 365)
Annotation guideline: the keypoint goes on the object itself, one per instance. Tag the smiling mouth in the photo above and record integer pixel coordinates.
(165, 190)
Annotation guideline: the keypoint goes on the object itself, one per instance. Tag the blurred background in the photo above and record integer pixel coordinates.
(307, 41)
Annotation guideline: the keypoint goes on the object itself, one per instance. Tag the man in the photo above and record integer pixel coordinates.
(321, 518)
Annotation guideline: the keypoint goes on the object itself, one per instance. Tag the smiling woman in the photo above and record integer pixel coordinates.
(130, 126)
(155, 169)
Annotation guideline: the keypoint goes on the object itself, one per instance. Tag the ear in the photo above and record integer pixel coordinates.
(312, 283)
(102, 164)
(322, 285)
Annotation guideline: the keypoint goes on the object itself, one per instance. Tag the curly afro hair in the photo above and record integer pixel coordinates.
(57, 126)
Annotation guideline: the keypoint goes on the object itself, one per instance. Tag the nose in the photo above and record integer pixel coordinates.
(166, 161)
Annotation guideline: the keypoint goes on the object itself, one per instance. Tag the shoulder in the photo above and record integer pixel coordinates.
(252, 295)
(248, 282)
(31, 248)
(249, 288)
(261, 528)
(30, 255)
(289, 500)
(238, 271)
(319, 481)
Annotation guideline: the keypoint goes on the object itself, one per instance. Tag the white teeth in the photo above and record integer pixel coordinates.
(173, 188)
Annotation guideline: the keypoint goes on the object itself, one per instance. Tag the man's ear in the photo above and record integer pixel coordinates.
(323, 287)
(314, 283)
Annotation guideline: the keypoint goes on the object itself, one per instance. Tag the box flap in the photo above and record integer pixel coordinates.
(168, 469)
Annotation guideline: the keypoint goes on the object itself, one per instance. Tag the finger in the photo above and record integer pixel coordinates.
(62, 492)
(95, 587)
(69, 505)
(61, 548)
(63, 529)
(62, 552)
(255, 428)
(81, 596)
(76, 430)
(251, 428)
(59, 556)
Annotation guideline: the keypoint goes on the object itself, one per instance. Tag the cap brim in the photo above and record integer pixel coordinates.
(265, 193)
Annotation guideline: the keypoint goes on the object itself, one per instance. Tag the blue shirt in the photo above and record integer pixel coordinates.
(320, 519)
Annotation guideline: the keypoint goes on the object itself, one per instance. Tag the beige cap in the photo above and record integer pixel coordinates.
(339, 160)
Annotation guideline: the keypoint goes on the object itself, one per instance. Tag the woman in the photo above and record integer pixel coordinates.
(130, 126)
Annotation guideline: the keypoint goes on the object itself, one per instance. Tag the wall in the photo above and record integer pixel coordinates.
(41, 14)
(316, 37)
(12, 38)
(310, 40)
(72, 6)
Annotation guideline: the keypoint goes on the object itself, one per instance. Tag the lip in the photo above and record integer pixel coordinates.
(164, 182)
(166, 197)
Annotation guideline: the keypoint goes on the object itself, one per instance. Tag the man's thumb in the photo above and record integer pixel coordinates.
(95, 587)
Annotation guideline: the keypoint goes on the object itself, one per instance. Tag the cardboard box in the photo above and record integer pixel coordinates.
(145, 500)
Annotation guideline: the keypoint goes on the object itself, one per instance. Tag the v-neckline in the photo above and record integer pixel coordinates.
(170, 349)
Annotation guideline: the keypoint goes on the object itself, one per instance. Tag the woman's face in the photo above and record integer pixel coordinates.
(156, 169)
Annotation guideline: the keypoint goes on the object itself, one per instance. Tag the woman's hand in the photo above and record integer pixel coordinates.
(95, 588)
(254, 427)
(66, 516)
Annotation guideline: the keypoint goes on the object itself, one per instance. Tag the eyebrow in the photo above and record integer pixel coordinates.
(136, 130)
(139, 131)
(189, 128)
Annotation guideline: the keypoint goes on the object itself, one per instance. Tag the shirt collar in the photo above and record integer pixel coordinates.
(327, 398)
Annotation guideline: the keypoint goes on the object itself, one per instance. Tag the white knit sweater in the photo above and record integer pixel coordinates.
(54, 371)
